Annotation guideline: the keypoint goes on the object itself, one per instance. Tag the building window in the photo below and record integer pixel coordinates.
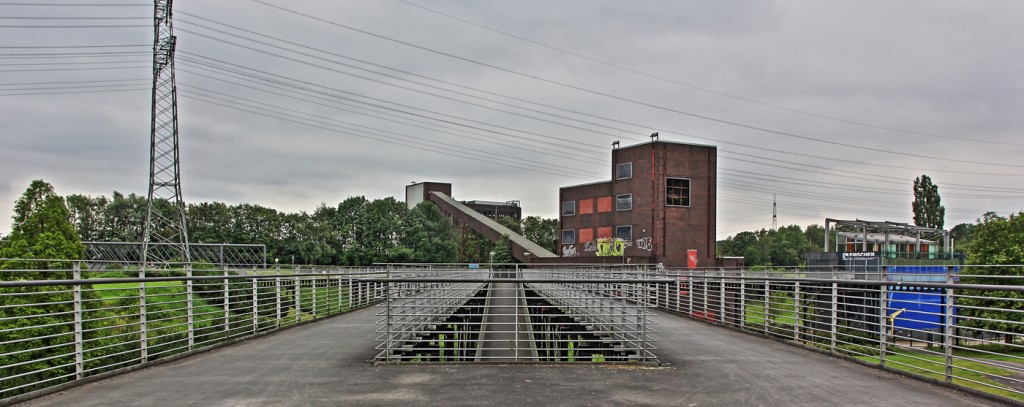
(624, 202)
(624, 170)
(568, 208)
(624, 233)
(569, 236)
(677, 192)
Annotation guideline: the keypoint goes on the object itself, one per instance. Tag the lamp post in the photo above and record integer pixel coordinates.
(492, 261)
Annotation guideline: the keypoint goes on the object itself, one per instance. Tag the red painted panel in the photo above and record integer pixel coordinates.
(604, 204)
(604, 233)
(586, 206)
(586, 235)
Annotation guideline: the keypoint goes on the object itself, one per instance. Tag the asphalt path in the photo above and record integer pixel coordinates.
(329, 363)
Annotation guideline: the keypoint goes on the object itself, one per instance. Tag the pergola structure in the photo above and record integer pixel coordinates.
(887, 233)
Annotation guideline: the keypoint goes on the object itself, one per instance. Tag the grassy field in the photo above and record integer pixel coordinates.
(966, 373)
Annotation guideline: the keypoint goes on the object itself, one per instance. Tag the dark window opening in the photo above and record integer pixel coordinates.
(677, 192)
(624, 170)
(624, 202)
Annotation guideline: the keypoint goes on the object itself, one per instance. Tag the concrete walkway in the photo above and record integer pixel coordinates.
(506, 329)
(328, 364)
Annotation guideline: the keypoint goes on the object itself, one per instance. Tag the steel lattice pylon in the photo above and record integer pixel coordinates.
(165, 214)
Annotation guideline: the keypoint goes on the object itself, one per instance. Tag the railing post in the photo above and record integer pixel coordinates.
(351, 292)
(76, 274)
(227, 305)
(255, 305)
(298, 298)
(796, 312)
(277, 290)
(313, 282)
(835, 315)
(883, 337)
(189, 303)
(721, 298)
(949, 326)
(767, 304)
(742, 317)
(388, 323)
(341, 298)
(143, 331)
(704, 289)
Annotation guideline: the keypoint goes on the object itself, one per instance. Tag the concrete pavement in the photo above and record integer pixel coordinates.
(328, 363)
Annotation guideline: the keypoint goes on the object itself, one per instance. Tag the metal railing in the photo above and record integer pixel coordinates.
(953, 327)
(102, 254)
(516, 316)
(60, 322)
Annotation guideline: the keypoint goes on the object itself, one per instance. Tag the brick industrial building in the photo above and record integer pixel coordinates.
(660, 202)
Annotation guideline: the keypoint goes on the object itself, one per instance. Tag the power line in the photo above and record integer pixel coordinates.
(628, 100)
(338, 123)
(416, 146)
(73, 46)
(319, 88)
(695, 87)
(79, 26)
(8, 3)
(465, 87)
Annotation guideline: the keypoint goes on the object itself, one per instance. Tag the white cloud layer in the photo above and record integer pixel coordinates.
(273, 110)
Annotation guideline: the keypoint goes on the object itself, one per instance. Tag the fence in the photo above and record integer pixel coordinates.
(102, 254)
(567, 315)
(60, 322)
(930, 325)
(64, 323)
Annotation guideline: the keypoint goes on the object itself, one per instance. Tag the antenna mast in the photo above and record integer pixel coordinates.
(164, 235)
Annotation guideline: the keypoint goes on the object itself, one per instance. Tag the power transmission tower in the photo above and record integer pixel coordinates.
(775, 215)
(164, 235)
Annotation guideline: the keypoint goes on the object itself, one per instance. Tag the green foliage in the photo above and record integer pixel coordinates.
(927, 205)
(503, 251)
(542, 231)
(428, 237)
(785, 247)
(961, 234)
(995, 240)
(32, 334)
(512, 224)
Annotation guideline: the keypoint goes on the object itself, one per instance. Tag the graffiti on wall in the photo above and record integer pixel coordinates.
(644, 243)
(590, 246)
(569, 251)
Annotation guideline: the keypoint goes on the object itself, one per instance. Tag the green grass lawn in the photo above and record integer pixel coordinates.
(966, 373)
(781, 311)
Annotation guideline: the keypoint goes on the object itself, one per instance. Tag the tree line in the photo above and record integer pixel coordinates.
(355, 232)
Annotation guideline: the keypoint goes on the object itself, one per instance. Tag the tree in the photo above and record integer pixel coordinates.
(511, 224)
(42, 229)
(542, 231)
(928, 209)
(34, 333)
(503, 251)
(815, 236)
(995, 241)
(427, 236)
(961, 234)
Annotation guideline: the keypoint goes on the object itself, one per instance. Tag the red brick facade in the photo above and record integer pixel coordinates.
(667, 201)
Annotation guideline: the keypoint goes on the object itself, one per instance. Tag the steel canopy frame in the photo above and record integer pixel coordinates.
(889, 228)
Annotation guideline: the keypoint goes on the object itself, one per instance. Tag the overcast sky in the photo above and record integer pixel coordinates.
(835, 107)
